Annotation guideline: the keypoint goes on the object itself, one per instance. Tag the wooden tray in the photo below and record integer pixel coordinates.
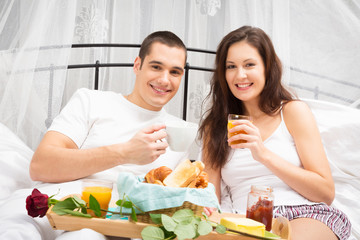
(124, 228)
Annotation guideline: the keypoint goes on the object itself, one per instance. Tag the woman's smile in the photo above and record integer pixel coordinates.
(243, 86)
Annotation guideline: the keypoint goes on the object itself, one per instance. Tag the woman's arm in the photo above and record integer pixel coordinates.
(314, 181)
(213, 173)
(214, 178)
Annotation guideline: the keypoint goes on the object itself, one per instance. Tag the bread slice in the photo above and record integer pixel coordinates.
(200, 165)
(182, 175)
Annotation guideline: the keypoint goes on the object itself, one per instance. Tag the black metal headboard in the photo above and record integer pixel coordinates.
(97, 65)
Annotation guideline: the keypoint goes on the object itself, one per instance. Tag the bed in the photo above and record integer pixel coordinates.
(339, 126)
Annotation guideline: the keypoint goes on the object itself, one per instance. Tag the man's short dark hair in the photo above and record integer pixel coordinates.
(165, 37)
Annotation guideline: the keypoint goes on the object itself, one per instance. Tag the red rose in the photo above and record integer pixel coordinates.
(37, 204)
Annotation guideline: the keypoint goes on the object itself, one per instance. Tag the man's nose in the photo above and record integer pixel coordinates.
(165, 77)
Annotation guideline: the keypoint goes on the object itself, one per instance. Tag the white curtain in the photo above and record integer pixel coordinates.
(318, 42)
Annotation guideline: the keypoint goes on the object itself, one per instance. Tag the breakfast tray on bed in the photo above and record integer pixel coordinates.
(129, 229)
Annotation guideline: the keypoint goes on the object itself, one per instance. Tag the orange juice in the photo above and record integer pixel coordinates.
(102, 195)
(229, 126)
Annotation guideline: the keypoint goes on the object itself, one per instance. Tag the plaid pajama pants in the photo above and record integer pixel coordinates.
(336, 220)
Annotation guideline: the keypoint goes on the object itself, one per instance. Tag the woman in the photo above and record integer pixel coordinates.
(283, 147)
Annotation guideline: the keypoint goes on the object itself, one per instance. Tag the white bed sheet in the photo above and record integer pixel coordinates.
(14, 163)
(340, 131)
(339, 127)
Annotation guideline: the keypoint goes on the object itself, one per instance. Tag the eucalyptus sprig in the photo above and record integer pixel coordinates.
(183, 225)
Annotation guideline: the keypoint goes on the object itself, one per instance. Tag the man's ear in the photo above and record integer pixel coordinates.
(137, 64)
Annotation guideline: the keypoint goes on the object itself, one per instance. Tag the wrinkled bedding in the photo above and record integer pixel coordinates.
(340, 131)
(14, 163)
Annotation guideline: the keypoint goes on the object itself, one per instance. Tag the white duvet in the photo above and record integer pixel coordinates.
(340, 131)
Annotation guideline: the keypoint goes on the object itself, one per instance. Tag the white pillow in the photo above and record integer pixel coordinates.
(15, 157)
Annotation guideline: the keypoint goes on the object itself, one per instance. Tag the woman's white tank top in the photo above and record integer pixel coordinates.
(242, 171)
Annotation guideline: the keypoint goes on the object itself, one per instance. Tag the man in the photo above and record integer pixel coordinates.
(99, 134)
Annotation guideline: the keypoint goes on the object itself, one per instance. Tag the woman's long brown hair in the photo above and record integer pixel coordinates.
(213, 127)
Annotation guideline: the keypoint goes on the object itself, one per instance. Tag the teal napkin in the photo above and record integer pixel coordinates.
(149, 197)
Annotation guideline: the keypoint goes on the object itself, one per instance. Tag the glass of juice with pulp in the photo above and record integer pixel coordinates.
(99, 189)
(231, 119)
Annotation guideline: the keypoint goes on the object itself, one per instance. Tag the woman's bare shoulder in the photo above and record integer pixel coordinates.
(297, 115)
(295, 107)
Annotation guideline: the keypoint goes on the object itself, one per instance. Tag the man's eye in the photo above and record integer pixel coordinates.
(156, 67)
(175, 73)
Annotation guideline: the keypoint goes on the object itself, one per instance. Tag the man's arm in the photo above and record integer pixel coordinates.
(58, 159)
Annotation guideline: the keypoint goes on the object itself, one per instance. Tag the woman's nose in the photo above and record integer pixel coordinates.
(242, 73)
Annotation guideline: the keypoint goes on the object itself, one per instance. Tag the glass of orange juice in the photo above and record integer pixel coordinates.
(99, 189)
(231, 119)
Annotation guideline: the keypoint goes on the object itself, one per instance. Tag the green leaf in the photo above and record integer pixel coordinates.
(185, 231)
(76, 203)
(94, 205)
(196, 220)
(84, 210)
(59, 212)
(77, 214)
(204, 228)
(133, 214)
(125, 204)
(152, 233)
(168, 222)
(183, 216)
(205, 216)
(79, 201)
(220, 229)
(52, 201)
(155, 218)
(68, 203)
(213, 224)
(168, 235)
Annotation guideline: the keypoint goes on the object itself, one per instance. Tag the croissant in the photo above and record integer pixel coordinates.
(201, 181)
(186, 174)
(157, 175)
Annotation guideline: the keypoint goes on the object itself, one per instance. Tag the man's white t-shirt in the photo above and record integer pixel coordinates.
(97, 118)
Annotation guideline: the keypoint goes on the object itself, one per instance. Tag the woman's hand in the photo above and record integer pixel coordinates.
(209, 210)
(252, 137)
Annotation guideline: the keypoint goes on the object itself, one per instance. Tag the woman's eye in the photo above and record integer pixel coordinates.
(230, 66)
(156, 67)
(250, 64)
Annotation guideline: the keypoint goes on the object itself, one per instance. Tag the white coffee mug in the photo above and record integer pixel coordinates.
(180, 135)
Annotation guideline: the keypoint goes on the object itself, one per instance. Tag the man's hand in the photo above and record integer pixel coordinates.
(58, 159)
(146, 146)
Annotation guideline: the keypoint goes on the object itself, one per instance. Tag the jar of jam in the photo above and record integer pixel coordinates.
(260, 205)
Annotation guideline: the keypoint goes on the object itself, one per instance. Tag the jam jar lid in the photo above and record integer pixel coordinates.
(260, 188)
